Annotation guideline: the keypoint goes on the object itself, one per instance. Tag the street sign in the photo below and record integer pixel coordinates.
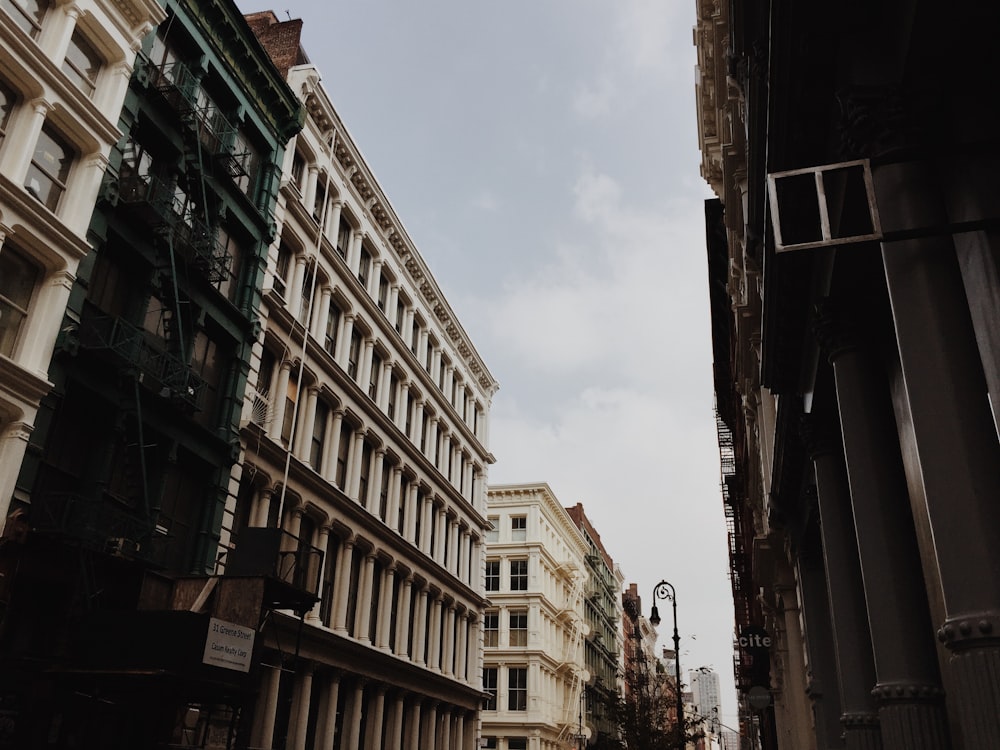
(759, 698)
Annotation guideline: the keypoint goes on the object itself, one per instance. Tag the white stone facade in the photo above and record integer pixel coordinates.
(66, 68)
(365, 432)
(534, 627)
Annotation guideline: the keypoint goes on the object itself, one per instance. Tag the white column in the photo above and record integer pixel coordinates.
(402, 393)
(345, 560)
(354, 253)
(385, 378)
(453, 538)
(303, 440)
(410, 513)
(385, 600)
(394, 736)
(354, 466)
(24, 130)
(309, 194)
(425, 524)
(261, 507)
(330, 714)
(278, 400)
(365, 370)
(434, 633)
(294, 302)
(395, 498)
(416, 424)
(344, 340)
(366, 586)
(303, 689)
(390, 308)
(372, 502)
(263, 735)
(413, 730)
(403, 618)
(420, 627)
(336, 420)
(432, 440)
(375, 715)
(323, 540)
(463, 557)
(448, 647)
(440, 534)
(462, 648)
(333, 220)
(322, 313)
(352, 720)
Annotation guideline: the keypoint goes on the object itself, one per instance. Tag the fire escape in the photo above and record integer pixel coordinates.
(572, 614)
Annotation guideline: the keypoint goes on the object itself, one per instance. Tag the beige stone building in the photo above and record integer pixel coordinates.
(534, 667)
(365, 441)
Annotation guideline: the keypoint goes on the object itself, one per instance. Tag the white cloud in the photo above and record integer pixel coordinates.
(486, 201)
(594, 100)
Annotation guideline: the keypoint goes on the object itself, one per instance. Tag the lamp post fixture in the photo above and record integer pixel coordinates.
(665, 590)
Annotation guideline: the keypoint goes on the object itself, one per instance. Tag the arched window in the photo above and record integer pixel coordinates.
(50, 167)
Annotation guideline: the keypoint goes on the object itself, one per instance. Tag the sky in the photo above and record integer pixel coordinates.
(543, 157)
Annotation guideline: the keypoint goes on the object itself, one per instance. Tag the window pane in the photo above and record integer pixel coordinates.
(27, 14)
(49, 168)
(491, 629)
(490, 687)
(18, 277)
(82, 63)
(492, 575)
(7, 101)
(517, 689)
(518, 628)
(518, 575)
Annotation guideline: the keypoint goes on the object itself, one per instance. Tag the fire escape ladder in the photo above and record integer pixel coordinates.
(574, 602)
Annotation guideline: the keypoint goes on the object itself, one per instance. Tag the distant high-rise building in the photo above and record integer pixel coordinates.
(705, 697)
(534, 666)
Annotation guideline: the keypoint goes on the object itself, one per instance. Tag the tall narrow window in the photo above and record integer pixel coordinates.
(281, 267)
(28, 14)
(383, 293)
(393, 386)
(373, 378)
(518, 575)
(491, 629)
(343, 238)
(517, 689)
(492, 575)
(7, 101)
(519, 628)
(82, 64)
(493, 529)
(319, 436)
(364, 267)
(298, 169)
(332, 326)
(290, 400)
(18, 277)
(490, 688)
(249, 159)
(366, 464)
(354, 354)
(320, 203)
(49, 168)
(343, 451)
(518, 528)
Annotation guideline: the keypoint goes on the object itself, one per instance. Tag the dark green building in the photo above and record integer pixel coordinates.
(122, 492)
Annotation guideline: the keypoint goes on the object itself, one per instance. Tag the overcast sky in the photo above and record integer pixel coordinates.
(543, 156)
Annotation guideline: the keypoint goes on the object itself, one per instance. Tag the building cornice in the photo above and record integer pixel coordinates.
(378, 209)
(249, 64)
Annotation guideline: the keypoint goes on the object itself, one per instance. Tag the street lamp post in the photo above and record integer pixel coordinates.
(665, 590)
